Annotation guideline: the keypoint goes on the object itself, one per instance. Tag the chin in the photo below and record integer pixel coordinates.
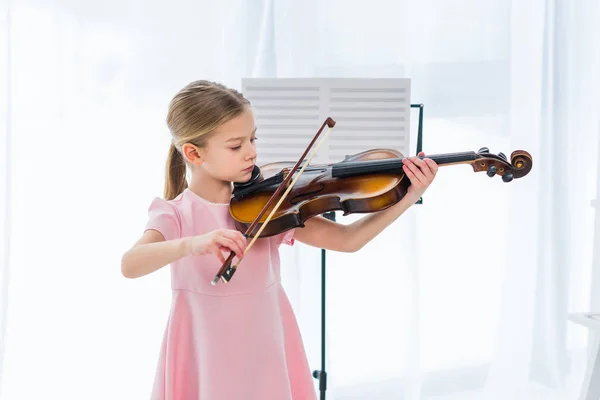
(240, 177)
(243, 178)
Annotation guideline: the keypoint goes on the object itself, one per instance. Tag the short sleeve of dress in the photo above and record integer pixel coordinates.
(163, 217)
(285, 238)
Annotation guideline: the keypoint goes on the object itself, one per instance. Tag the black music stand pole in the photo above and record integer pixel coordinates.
(321, 375)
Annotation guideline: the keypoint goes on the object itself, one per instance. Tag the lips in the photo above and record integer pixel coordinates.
(249, 169)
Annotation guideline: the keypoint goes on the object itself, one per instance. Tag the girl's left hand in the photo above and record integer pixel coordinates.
(421, 173)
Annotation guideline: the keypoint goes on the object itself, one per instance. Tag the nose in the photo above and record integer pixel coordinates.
(251, 153)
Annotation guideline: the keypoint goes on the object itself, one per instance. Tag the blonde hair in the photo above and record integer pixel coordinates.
(194, 113)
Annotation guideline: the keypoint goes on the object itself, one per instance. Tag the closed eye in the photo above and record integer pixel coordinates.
(240, 146)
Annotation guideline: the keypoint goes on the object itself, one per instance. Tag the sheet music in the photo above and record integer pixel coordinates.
(369, 113)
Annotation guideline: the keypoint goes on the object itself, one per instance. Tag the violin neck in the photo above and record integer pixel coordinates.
(394, 165)
(466, 157)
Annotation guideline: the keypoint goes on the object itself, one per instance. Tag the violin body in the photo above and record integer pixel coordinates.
(365, 182)
(280, 196)
(318, 191)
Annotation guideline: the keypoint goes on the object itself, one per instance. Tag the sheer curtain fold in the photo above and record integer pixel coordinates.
(5, 172)
(91, 86)
(540, 54)
(532, 333)
(463, 297)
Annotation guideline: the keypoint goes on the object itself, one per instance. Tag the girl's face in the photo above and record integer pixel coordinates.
(230, 153)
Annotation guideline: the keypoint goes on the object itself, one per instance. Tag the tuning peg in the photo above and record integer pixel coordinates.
(503, 156)
(491, 171)
(483, 150)
(507, 177)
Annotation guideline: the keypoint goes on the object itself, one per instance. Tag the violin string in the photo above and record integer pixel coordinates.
(341, 165)
(290, 186)
(386, 163)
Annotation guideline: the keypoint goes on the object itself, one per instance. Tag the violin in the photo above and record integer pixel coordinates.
(366, 182)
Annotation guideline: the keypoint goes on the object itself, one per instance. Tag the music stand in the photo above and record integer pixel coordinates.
(321, 374)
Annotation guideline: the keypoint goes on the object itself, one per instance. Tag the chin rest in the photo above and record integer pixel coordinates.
(253, 178)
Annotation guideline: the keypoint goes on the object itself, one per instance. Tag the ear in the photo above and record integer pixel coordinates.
(192, 154)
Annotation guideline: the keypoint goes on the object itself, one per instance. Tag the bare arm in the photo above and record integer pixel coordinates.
(326, 234)
(320, 232)
(153, 252)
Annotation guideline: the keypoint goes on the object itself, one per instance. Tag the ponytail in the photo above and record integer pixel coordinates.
(175, 174)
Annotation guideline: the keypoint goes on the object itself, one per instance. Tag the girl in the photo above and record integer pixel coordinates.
(238, 340)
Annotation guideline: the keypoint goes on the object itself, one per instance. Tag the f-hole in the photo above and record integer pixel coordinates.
(305, 195)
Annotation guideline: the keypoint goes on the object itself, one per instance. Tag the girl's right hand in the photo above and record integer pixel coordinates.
(216, 242)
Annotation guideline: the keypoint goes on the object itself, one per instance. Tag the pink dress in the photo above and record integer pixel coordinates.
(231, 341)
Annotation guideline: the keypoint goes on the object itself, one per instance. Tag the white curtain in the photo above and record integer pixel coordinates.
(4, 177)
(465, 296)
(471, 290)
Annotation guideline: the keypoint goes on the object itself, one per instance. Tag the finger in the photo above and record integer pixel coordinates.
(225, 241)
(411, 176)
(425, 168)
(217, 252)
(420, 178)
(433, 167)
(420, 163)
(428, 167)
(409, 160)
(231, 245)
(239, 239)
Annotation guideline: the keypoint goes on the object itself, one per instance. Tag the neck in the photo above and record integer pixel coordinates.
(209, 187)
(394, 165)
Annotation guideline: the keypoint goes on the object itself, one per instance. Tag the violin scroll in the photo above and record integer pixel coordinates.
(520, 164)
(369, 181)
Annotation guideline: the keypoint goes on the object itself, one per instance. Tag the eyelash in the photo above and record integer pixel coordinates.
(239, 147)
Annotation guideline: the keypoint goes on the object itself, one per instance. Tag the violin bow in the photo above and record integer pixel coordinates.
(227, 270)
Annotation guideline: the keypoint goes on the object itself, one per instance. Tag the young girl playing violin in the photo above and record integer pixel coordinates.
(238, 340)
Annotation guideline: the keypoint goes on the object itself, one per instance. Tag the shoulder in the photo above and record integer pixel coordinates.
(161, 206)
(164, 216)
